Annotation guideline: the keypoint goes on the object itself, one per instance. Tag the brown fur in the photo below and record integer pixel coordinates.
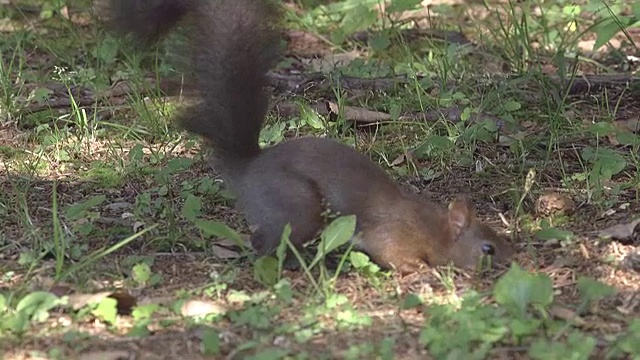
(235, 42)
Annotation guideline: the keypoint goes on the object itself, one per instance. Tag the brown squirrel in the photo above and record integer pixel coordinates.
(234, 44)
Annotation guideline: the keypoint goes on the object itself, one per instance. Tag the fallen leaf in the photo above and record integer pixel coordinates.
(230, 243)
(106, 355)
(630, 125)
(222, 252)
(125, 301)
(158, 300)
(549, 69)
(304, 44)
(624, 126)
(406, 156)
(61, 289)
(632, 261)
(78, 301)
(331, 61)
(359, 115)
(509, 139)
(555, 204)
(567, 314)
(64, 12)
(117, 206)
(82, 19)
(201, 308)
(621, 231)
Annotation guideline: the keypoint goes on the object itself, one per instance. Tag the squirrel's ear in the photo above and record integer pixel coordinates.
(461, 212)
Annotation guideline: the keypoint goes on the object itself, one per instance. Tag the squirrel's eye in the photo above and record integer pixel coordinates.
(488, 249)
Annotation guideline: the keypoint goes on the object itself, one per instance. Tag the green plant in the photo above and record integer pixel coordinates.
(610, 21)
(269, 269)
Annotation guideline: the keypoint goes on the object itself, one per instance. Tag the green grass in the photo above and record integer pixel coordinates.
(101, 195)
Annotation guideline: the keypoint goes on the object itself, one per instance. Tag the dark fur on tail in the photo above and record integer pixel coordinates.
(232, 45)
(146, 20)
(236, 43)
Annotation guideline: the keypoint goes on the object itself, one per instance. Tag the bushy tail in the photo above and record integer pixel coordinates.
(233, 44)
(146, 20)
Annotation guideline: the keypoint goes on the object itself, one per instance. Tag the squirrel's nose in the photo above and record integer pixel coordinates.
(488, 249)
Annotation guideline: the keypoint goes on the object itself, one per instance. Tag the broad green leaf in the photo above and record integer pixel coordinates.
(36, 305)
(403, 5)
(630, 342)
(576, 347)
(360, 18)
(271, 353)
(411, 301)
(141, 273)
(311, 118)
(379, 42)
(144, 312)
(608, 28)
(593, 290)
(218, 229)
(78, 210)
(338, 233)
(601, 128)
(265, 270)
(192, 207)
(283, 290)
(179, 164)
(554, 233)
(512, 105)
(518, 289)
(359, 259)
(210, 342)
(107, 310)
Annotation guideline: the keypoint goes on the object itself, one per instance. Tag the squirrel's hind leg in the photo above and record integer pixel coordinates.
(271, 205)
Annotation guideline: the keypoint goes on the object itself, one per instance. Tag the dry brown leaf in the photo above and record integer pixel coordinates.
(549, 69)
(305, 44)
(61, 289)
(291, 109)
(246, 238)
(82, 19)
(125, 301)
(64, 12)
(158, 300)
(106, 355)
(555, 204)
(399, 160)
(78, 301)
(359, 115)
(330, 62)
(508, 139)
(567, 314)
(222, 252)
(621, 231)
(201, 308)
(629, 125)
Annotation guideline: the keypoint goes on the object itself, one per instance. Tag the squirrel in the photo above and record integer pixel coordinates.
(234, 43)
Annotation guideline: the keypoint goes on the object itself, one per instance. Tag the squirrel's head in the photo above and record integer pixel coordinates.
(472, 242)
